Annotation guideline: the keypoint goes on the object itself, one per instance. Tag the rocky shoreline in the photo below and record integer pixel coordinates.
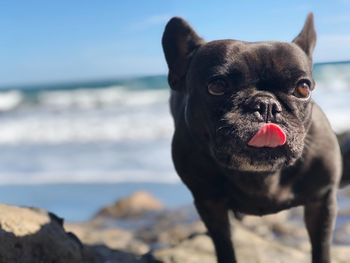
(139, 229)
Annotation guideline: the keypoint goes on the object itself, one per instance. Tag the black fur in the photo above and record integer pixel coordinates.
(209, 147)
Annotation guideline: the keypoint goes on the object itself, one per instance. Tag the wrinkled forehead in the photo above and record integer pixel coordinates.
(261, 59)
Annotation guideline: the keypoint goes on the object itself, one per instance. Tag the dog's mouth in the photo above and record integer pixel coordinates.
(269, 135)
(265, 148)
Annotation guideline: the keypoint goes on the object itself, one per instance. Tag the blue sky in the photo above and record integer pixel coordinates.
(59, 41)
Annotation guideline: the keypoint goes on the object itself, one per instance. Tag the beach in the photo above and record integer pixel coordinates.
(79, 202)
(112, 131)
(74, 149)
(139, 228)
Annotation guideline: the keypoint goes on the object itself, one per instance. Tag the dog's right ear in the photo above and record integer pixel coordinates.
(179, 43)
(306, 39)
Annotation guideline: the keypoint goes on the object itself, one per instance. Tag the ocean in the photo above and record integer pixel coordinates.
(96, 141)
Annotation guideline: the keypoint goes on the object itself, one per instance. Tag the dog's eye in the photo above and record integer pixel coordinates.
(217, 87)
(302, 90)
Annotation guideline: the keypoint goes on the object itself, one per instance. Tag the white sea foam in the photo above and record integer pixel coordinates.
(94, 98)
(111, 114)
(335, 103)
(10, 100)
(88, 177)
(85, 128)
(112, 134)
(115, 114)
(335, 77)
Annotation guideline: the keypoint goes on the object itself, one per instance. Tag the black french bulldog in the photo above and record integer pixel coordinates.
(248, 137)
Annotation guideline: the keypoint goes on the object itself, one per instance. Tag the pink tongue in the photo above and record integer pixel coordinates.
(269, 135)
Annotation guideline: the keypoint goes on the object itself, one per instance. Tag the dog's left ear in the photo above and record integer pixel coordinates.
(179, 43)
(306, 39)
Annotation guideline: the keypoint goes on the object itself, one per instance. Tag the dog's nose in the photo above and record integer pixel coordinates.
(265, 108)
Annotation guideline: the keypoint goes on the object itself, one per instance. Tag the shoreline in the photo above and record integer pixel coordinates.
(64, 198)
(138, 228)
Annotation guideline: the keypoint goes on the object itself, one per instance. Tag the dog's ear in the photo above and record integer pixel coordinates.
(306, 39)
(179, 43)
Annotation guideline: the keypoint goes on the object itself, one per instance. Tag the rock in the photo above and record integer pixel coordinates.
(133, 206)
(342, 137)
(342, 235)
(29, 235)
(170, 227)
(198, 249)
(178, 236)
(32, 235)
(250, 248)
(113, 238)
(107, 255)
(287, 226)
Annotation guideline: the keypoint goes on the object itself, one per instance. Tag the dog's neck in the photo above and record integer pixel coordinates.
(256, 183)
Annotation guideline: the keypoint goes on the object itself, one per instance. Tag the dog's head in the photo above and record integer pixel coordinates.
(233, 89)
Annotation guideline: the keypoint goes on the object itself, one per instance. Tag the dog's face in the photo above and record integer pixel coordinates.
(233, 88)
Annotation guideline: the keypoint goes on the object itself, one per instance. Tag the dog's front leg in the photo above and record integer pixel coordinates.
(319, 219)
(214, 214)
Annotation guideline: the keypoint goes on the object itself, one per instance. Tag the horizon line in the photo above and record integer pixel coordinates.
(105, 81)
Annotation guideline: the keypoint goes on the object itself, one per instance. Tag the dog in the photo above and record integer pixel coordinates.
(248, 137)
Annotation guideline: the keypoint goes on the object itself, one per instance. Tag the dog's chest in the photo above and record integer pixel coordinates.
(262, 199)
